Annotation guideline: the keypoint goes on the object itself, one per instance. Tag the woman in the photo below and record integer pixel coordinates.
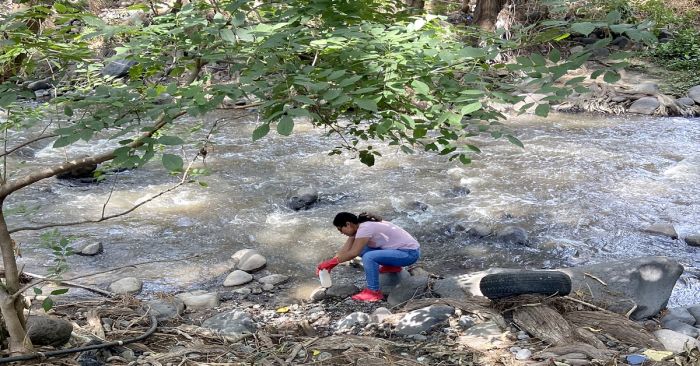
(384, 248)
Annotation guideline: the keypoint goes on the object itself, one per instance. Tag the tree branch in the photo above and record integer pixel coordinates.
(8, 152)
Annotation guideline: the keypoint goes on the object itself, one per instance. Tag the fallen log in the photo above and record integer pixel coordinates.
(616, 326)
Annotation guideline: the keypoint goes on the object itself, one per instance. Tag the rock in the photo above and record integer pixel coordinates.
(199, 300)
(523, 354)
(47, 331)
(268, 287)
(693, 240)
(466, 321)
(422, 320)
(458, 191)
(324, 356)
(342, 290)
(91, 249)
(645, 105)
(600, 52)
(249, 260)
(273, 279)
(86, 171)
(40, 85)
(482, 336)
(357, 318)
(234, 324)
(686, 102)
(513, 234)
(243, 291)
(620, 41)
(674, 341)
(451, 287)
(576, 49)
(237, 277)
(379, 314)
(680, 327)
(303, 199)
(118, 68)
(407, 288)
(128, 285)
(166, 309)
(679, 314)
(646, 88)
(618, 98)
(662, 229)
(695, 312)
(318, 294)
(694, 93)
(522, 335)
(479, 230)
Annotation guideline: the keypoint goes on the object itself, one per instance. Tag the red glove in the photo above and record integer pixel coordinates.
(327, 265)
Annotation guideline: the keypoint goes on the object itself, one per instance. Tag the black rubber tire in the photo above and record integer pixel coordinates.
(507, 284)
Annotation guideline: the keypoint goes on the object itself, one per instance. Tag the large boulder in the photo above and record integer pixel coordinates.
(694, 93)
(645, 105)
(45, 331)
(303, 199)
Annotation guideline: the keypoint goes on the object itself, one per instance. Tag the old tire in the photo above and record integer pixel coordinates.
(500, 285)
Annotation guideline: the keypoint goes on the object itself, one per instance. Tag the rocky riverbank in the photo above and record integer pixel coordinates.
(613, 313)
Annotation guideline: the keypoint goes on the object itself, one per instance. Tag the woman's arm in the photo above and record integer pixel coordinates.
(352, 248)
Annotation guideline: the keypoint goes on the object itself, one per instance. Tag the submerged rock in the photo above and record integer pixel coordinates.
(303, 199)
(513, 234)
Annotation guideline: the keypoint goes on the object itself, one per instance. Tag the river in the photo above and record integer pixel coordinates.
(583, 187)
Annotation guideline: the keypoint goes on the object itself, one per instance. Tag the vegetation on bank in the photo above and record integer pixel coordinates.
(364, 70)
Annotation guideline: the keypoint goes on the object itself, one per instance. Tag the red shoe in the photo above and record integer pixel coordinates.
(368, 295)
(390, 269)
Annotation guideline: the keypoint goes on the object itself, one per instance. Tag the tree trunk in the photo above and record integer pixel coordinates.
(486, 12)
(12, 307)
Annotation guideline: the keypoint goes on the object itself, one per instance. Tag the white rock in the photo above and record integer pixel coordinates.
(523, 354)
(128, 285)
(674, 341)
(249, 260)
(198, 300)
(92, 249)
(237, 277)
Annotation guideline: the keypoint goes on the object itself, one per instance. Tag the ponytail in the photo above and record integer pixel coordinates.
(342, 218)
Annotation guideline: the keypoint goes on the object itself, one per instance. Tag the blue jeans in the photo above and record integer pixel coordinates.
(373, 257)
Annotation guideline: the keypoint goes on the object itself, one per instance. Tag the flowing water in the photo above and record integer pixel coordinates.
(583, 188)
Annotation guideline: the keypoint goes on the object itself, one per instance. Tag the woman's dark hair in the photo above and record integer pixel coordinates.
(343, 218)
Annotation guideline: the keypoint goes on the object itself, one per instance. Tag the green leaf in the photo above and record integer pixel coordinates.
(47, 304)
(66, 140)
(464, 159)
(513, 140)
(336, 74)
(584, 28)
(68, 111)
(419, 132)
(285, 126)
(59, 291)
(537, 59)
(420, 87)
(470, 108)
(597, 73)
(554, 55)
(227, 35)
(611, 77)
(367, 158)
(6, 99)
(172, 162)
(366, 104)
(170, 140)
(37, 290)
(542, 110)
(304, 99)
(261, 131)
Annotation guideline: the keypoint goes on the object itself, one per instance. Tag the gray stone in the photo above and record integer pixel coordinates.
(91, 249)
(523, 354)
(451, 287)
(237, 278)
(409, 287)
(342, 290)
(422, 320)
(118, 68)
(482, 336)
(324, 356)
(457, 191)
(303, 199)
(680, 327)
(620, 41)
(645, 105)
(357, 318)
(479, 230)
(662, 229)
(646, 88)
(685, 101)
(273, 279)
(693, 240)
(618, 98)
(695, 312)
(128, 285)
(47, 331)
(40, 85)
(243, 291)
(199, 300)
(268, 287)
(166, 309)
(513, 234)
(249, 260)
(128, 355)
(694, 93)
(318, 294)
(674, 341)
(466, 321)
(234, 324)
(679, 314)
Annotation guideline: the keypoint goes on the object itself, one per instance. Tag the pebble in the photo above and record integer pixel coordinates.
(324, 356)
(523, 354)
(522, 335)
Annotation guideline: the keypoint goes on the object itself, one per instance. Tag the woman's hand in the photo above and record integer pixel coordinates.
(327, 265)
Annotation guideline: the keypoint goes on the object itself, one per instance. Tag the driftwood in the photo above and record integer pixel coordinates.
(586, 349)
(544, 323)
(615, 326)
(588, 337)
